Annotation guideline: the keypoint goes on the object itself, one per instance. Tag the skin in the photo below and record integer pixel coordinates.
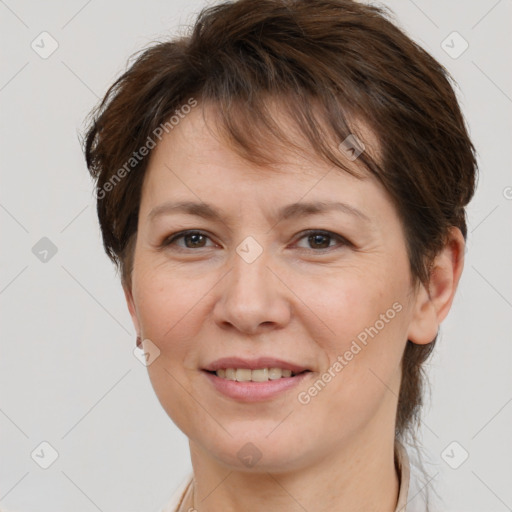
(197, 300)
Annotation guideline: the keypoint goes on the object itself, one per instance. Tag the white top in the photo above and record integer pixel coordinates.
(412, 496)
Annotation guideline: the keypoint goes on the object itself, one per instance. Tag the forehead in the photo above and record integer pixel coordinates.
(194, 161)
(270, 132)
(202, 137)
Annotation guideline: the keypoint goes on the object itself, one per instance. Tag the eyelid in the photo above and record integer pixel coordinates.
(335, 236)
(181, 234)
(342, 241)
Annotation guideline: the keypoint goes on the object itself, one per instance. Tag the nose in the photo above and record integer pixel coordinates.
(252, 298)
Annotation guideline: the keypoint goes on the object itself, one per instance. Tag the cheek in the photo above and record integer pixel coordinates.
(168, 308)
(166, 302)
(352, 304)
(363, 320)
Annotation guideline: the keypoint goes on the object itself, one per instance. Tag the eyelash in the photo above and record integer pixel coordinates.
(182, 234)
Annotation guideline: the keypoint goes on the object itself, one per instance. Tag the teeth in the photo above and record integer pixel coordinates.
(277, 373)
(243, 374)
(259, 375)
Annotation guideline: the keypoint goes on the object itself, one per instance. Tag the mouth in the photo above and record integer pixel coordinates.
(256, 375)
(254, 380)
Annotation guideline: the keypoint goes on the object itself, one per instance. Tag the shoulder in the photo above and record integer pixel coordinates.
(416, 493)
(179, 493)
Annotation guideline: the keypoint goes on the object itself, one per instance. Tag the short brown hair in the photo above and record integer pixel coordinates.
(328, 63)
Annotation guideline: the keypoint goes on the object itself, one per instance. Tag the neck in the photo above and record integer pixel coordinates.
(356, 477)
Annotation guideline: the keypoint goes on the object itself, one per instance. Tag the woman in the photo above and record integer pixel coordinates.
(284, 193)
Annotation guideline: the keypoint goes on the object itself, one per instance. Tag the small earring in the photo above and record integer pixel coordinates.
(139, 341)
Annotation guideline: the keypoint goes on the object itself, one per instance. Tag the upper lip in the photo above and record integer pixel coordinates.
(254, 364)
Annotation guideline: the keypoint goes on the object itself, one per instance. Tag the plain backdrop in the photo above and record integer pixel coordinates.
(68, 375)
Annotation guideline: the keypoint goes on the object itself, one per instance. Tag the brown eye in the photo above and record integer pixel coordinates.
(195, 239)
(323, 240)
(192, 240)
(319, 241)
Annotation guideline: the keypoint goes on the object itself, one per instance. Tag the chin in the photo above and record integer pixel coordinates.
(257, 450)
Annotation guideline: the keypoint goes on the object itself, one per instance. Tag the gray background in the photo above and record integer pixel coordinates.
(67, 372)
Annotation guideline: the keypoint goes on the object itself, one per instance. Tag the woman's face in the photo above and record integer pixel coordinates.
(278, 273)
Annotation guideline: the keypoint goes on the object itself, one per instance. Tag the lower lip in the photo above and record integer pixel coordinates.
(254, 391)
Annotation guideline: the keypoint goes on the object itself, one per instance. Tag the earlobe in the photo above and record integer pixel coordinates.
(433, 303)
(131, 307)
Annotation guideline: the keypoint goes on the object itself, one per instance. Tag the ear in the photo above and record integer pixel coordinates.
(131, 307)
(432, 302)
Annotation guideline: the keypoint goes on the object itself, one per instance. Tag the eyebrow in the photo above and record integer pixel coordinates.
(302, 209)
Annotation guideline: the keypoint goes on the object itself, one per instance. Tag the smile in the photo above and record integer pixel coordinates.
(243, 384)
(256, 375)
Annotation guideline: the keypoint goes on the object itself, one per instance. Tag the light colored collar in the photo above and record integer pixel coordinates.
(404, 471)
